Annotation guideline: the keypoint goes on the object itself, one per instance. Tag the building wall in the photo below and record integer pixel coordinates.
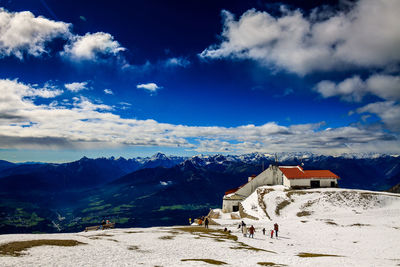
(227, 204)
(327, 182)
(270, 176)
(286, 181)
(306, 182)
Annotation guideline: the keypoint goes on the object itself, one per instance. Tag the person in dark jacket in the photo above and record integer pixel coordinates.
(206, 223)
(243, 224)
(103, 223)
(276, 228)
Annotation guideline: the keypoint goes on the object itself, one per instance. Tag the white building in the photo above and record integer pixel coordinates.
(290, 176)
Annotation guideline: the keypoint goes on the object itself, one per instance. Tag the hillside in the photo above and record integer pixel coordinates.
(395, 189)
(155, 191)
(325, 227)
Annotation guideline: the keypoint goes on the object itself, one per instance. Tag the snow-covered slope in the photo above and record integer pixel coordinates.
(362, 226)
(324, 227)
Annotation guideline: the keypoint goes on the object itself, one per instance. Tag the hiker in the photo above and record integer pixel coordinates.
(263, 230)
(190, 221)
(206, 223)
(243, 225)
(276, 228)
(272, 233)
(102, 224)
(251, 231)
(244, 229)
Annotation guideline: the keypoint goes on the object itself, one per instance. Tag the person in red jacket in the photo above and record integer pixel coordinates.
(251, 231)
(272, 233)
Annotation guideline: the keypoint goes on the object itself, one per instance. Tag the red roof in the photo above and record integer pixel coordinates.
(297, 172)
(230, 191)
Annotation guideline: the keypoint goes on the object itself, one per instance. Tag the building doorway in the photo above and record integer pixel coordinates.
(315, 184)
(333, 184)
(235, 208)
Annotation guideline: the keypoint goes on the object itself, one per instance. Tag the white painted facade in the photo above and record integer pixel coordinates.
(306, 183)
(231, 202)
(271, 176)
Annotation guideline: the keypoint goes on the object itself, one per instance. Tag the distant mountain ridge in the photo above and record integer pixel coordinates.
(364, 171)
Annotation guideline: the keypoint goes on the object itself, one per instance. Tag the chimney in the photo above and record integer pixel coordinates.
(252, 177)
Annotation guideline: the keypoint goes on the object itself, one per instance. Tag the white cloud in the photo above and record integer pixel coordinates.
(388, 111)
(354, 89)
(76, 86)
(151, 87)
(177, 62)
(92, 46)
(84, 104)
(108, 91)
(366, 36)
(23, 33)
(47, 93)
(81, 123)
(384, 86)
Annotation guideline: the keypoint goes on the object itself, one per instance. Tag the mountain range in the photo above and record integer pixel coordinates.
(154, 191)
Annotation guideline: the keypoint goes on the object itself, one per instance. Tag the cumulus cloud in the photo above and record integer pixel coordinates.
(21, 33)
(177, 62)
(82, 123)
(366, 36)
(45, 92)
(76, 86)
(388, 111)
(354, 89)
(108, 91)
(92, 47)
(386, 87)
(151, 87)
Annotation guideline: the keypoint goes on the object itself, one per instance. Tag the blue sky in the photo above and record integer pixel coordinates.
(121, 78)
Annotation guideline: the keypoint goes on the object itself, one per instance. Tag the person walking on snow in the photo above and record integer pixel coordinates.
(272, 233)
(244, 229)
(263, 231)
(251, 231)
(206, 223)
(276, 228)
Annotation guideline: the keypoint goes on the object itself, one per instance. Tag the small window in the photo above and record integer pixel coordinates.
(235, 208)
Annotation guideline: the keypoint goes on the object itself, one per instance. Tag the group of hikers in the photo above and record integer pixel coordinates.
(251, 230)
(103, 224)
(200, 221)
(245, 230)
